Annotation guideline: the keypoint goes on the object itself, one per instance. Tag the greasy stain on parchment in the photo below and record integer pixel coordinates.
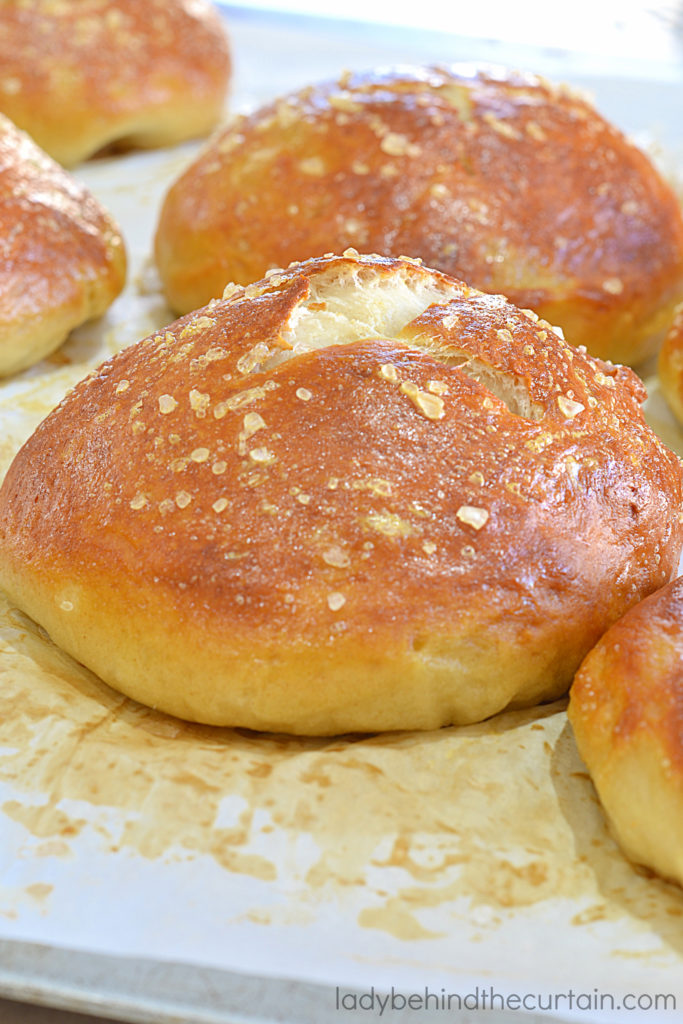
(501, 815)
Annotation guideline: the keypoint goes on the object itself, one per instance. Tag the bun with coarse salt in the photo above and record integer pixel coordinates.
(356, 495)
(81, 75)
(498, 178)
(626, 709)
(62, 256)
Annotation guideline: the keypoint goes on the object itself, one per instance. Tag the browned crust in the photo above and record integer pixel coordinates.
(626, 709)
(321, 575)
(62, 258)
(502, 180)
(79, 75)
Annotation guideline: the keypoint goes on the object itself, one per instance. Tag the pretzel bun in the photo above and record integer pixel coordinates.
(626, 709)
(501, 179)
(62, 257)
(79, 75)
(670, 365)
(357, 495)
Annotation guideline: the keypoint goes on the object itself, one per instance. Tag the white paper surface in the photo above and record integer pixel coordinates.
(469, 861)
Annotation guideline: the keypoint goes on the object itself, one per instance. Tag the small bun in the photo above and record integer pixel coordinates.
(62, 258)
(670, 365)
(357, 495)
(80, 75)
(502, 180)
(626, 709)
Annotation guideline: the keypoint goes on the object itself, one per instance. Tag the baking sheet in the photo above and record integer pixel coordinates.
(469, 863)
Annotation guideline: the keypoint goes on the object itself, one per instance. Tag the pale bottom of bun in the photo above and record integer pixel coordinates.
(25, 343)
(27, 337)
(670, 365)
(391, 680)
(625, 710)
(644, 810)
(153, 129)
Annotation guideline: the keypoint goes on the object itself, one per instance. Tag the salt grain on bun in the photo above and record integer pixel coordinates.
(62, 258)
(504, 180)
(79, 75)
(356, 495)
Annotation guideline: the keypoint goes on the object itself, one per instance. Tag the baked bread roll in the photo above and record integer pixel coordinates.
(503, 180)
(670, 365)
(356, 495)
(626, 709)
(79, 75)
(62, 257)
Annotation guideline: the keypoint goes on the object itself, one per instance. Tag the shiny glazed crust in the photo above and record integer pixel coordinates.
(626, 709)
(62, 258)
(356, 495)
(503, 180)
(79, 75)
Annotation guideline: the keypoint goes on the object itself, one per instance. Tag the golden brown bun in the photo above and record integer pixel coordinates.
(62, 258)
(670, 365)
(354, 496)
(79, 75)
(503, 180)
(626, 709)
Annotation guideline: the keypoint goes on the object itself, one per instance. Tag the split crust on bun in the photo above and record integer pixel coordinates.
(501, 179)
(80, 75)
(626, 709)
(357, 495)
(62, 258)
